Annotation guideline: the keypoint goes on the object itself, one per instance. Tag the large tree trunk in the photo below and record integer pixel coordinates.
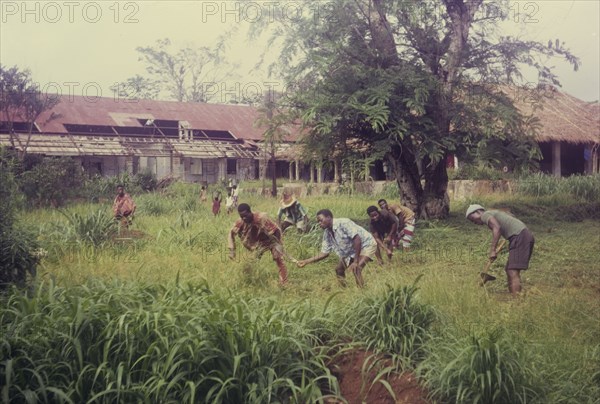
(407, 176)
(436, 203)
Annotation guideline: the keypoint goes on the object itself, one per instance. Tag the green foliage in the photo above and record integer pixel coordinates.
(94, 227)
(22, 101)
(17, 244)
(430, 81)
(18, 259)
(153, 205)
(142, 318)
(489, 367)
(390, 191)
(581, 187)
(395, 323)
(52, 181)
(132, 343)
(145, 181)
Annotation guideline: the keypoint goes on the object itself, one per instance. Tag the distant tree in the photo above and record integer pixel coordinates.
(184, 74)
(138, 88)
(275, 120)
(22, 101)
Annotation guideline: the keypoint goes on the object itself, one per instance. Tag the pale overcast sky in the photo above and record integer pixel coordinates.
(84, 47)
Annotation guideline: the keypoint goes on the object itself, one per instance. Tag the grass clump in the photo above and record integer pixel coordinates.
(488, 367)
(94, 228)
(394, 323)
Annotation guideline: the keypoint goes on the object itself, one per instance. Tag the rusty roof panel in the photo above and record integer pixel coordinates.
(71, 145)
(77, 110)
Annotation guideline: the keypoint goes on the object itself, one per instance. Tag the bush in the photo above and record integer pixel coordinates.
(145, 181)
(52, 181)
(17, 245)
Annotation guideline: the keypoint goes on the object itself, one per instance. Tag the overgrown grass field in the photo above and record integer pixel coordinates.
(160, 314)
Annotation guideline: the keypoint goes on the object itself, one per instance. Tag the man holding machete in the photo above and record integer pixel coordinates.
(520, 241)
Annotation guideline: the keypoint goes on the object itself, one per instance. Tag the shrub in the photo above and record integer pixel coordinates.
(145, 181)
(17, 245)
(52, 181)
(17, 256)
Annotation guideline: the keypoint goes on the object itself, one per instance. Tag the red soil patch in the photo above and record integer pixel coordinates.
(357, 387)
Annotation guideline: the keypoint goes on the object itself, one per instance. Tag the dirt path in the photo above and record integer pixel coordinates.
(358, 388)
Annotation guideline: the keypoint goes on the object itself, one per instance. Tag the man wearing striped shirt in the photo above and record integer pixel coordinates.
(406, 219)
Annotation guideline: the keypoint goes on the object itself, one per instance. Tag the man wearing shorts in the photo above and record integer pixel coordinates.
(354, 245)
(519, 237)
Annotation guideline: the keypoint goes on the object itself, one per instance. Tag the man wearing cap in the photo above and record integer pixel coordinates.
(294, 212)
(258, 233)
(520, 241)
(384, 228)
(354, 245)
(406, 221)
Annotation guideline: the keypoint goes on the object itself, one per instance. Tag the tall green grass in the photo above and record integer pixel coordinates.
(393, 323)
(555, 325)
(489, 367)
(582, 187)
(130, 343)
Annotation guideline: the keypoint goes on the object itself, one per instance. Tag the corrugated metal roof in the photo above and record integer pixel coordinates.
(237, 119)
(80, 145)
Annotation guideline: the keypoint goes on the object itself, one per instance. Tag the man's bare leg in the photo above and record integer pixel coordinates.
(514, 281)
(340, 272)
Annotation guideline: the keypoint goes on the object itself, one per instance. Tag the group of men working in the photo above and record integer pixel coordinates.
(389, 226)
(354, 245)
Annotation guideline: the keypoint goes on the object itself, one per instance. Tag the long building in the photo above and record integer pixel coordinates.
(193, 141)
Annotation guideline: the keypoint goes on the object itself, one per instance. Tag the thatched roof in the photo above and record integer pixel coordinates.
(562, 116)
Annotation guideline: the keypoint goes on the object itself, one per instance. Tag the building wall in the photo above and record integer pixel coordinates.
(572, 159)
(246, 169)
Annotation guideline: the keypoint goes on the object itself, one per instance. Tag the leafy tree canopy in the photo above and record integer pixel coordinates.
(429, 78)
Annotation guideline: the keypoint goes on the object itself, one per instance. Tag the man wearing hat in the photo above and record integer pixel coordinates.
(519, 237)
(294, 212)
